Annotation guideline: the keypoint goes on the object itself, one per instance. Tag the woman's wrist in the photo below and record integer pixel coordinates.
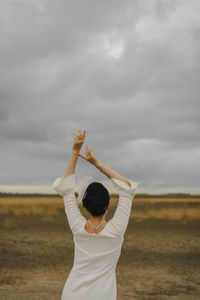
(98, 164)
(75, 151)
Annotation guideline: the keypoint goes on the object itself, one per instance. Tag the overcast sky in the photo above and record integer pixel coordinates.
(125, 71)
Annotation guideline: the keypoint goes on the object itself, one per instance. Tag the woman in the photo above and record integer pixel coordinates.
(97, 242)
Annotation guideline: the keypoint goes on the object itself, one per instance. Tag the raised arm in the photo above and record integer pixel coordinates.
(126, 190)
(110, 173)
(78, 142)
(65, 187)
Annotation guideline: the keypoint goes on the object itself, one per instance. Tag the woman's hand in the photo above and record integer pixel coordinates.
(78, 141)
(90, 157)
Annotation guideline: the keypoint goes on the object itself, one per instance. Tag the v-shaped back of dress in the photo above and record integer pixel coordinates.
(97, 231)
(96, 252)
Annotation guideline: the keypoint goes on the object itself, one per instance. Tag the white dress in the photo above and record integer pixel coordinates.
(95, 255)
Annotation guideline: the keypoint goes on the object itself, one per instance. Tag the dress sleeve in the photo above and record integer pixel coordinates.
(65, 188)
(121, 216)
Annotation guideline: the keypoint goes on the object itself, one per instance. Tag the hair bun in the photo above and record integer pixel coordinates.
(96, 199)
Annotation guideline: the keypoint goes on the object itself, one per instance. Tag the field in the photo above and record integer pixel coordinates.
(160, 257)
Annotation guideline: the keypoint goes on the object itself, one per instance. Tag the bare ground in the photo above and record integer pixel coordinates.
(160, 257)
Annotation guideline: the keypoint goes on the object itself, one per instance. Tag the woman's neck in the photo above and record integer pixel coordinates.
(96, 220)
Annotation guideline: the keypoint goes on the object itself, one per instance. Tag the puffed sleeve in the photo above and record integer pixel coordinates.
(121, 216)
(65, 187)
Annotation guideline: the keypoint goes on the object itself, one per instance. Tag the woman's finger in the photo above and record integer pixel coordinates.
(82, 156)
(82, 134)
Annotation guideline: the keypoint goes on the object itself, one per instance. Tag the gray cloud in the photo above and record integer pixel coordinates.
(126, 71)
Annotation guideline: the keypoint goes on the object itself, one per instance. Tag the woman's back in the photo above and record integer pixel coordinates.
(96, 253)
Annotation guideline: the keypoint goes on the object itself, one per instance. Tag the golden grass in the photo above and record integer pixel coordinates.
(169, 214)
(49, 207)
(158, 257)
(168, 200)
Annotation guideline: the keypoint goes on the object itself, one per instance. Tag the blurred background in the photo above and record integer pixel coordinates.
(126, 72)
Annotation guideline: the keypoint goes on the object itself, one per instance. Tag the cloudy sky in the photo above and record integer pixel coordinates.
(125, 71)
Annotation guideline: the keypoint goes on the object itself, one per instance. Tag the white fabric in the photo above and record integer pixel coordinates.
(95, 255)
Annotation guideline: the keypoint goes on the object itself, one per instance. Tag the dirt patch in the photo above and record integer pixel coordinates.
(160, 257)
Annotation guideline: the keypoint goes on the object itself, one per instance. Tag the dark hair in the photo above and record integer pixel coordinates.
(96, 199)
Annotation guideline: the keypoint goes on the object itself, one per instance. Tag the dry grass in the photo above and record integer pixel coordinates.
(143, 208)
(160, 256)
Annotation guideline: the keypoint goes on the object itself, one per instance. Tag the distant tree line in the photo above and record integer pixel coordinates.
(138, 195)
